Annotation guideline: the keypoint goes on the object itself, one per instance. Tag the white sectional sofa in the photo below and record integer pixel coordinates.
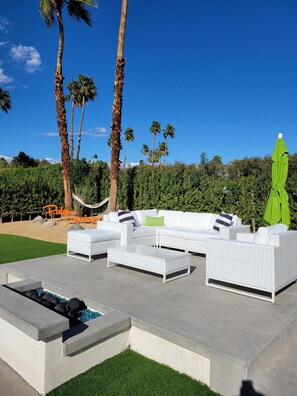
(186, 231)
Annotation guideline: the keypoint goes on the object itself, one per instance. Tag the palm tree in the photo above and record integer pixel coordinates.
(155, 128)
(5, 102)
(86, 91)
(162, 151)
(117, 112)
(144, 151)
(168, 132)
(73, 89)
(49, 9)
(129, 137)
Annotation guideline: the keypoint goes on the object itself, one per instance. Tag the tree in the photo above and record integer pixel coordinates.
(76, 9)
(23, 160)
(129, 137)
(162, 151)
(73, 89)
(86, 91)
(3, 163)
(5, 102)
(155, 128)
(144, 151)
(117, 112)
(168, 132)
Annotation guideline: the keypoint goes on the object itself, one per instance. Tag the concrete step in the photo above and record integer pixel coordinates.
(279, 377)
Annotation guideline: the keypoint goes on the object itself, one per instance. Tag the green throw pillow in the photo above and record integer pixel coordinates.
(154, 221)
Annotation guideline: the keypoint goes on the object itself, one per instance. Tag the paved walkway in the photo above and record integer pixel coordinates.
(234, 331)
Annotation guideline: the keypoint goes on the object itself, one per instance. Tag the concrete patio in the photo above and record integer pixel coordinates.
(243, 338)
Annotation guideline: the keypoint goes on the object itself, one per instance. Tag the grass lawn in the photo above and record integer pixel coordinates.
(16, 248)
(132, 374)
(127, 374)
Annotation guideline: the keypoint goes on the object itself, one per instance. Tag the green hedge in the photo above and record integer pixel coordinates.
(241, 187)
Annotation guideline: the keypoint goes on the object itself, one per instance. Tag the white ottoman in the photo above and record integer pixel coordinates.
(91, 242)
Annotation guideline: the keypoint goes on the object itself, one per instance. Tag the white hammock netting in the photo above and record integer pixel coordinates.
(96, 206)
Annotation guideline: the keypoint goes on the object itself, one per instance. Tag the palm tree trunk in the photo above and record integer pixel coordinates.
(153, 150)
(117, 112)
(61, 115)
(72, 130)
(80, 128)
(125, 158)
(166, 148)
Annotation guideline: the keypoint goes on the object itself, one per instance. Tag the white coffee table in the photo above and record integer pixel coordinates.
(147, 258)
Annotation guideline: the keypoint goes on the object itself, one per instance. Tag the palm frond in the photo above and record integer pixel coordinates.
(46, 11)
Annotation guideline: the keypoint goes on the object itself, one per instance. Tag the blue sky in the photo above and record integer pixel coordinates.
(223, 73)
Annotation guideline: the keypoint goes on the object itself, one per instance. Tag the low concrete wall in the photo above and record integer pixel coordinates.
(174, 356)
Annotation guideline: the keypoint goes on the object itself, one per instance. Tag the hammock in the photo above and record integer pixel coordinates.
(96, 206)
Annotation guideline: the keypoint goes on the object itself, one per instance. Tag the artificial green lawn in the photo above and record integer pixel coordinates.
(17, 248)
(123, 375)
(131, 374)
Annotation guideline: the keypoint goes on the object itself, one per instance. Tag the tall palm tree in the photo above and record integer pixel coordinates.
(155, 128)
(144, 151)
(73, 89)
(86, 91)
(117, 112)
(5, 102)
(129, 137)
(50, 9)
(168, 132)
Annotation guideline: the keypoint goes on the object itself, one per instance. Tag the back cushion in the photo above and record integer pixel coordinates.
(171, 217)
(198, 221)
(263, 234)
(141, 214)
(113, 217)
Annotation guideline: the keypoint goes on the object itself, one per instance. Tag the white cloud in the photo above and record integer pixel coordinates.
(4, 78)
(4, 23)
(29, 57)
(8, 159)
(3, 43)
(51, 134)
(101, 129)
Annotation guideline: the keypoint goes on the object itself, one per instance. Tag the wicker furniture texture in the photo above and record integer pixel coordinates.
(252, 269)
(186, 231)
(83, 244)
(160, 261)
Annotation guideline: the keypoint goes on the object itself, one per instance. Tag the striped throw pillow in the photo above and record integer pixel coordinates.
(224, 220)
(125, 216)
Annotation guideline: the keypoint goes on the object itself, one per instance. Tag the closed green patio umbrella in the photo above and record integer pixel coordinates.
(277, 209)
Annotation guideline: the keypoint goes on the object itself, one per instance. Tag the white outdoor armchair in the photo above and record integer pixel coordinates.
(258, 270)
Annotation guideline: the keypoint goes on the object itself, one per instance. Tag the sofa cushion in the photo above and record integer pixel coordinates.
(143, 231)
(263, 234)
(93, 235)
(125, 216)
(202, 235)
(154, 221)
(113, 217)
(223, 220)
(171, 217)
(179, 232)
(197, 221)
(141, 214)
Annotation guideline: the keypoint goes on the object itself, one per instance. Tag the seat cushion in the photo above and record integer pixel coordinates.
(95, 235)
(263, 234)
(143, 231)
(173, 232)
(202, 235)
